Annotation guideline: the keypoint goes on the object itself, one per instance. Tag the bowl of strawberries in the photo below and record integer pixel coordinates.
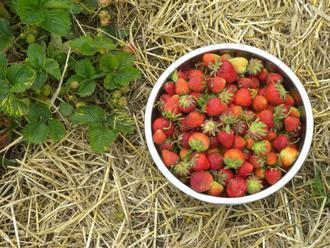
(228, 124)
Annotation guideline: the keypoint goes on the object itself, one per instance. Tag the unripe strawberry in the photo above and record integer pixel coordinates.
(181, 87)
(271, 158)
(216, 189)
(260, 173)
(288, 156)
(240, 64)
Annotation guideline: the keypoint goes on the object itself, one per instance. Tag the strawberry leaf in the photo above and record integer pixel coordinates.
(100, 137)
(109, 62)
(88, 115)
(11, 105)
(36, 132)
(56, 129)
(121, 122)
(39, 112)
(86, 45)
(84, 68)
(86, 88)
(3, 66)
(21, 77)
(31, 12)
(65, 109)
(6, 34)
(53, 68)
(36, 57)
(57, 21)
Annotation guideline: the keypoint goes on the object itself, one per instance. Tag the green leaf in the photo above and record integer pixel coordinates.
(88, 115)
(86, 88)
(125, 59)
(13, 106)
(121, 78)
(86, 45)
(53, 68)
(66, 109)
(3, 66)
(6, 34)
(57, 21)
(36, 132)
(36, 56)
(84, 68)
(21, 77)
(41, 79)
(103, 42)
(56, 129)
(31, 12)
(121, 122)
(58, 4)
(100, 137)
(109, 62)
(39, 112)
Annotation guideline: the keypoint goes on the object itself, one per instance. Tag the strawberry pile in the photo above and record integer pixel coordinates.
(227, 126)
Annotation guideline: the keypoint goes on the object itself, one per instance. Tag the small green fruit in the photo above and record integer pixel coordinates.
(116, 94)
(123, 101)
(74, 85)
(46, 90)
(30, 38)
(80, 104)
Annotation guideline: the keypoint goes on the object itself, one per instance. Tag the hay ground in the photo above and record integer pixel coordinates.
(63, 195)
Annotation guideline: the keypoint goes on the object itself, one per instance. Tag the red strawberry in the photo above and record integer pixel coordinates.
(240, 127)
(182, 125)
(215, 160)
(245, 82)
(289, 100)
(201, 181)
(272, 175)
(249, 142)
(171, 107)
(194, 120)
(236, 187)
(254, 185)
(260, 103)
(262, 91)
(187, 103)
(239, 142)
(280, 142)
(185, 137)
(159, 137)
(274, 78)
(271, 135)
(291, 124)
(255, 83)
(259, 173)
(275, 93)
(288, 155)
(164, 98)
(199, 162)
(210, 59)
(199, 142)
(225, 57)
(266, 116)
(167, 145)
(245, 169)
(213, 142)
(216, 84)
(233, 158)
(163, 124)
(197, 84)
(226, 139)
(257, 161)
(243, 97)
(294, 112)
(181, 87)
(261, 148)
(184, 154)
(224, 175)
(169, 158)
(215, 106)
(169, 88)
(216, 189)
(258, 130)
(236, 110)
(196, 95)
(228, 72)
(263, 75)
(194, 73)
(271, 158)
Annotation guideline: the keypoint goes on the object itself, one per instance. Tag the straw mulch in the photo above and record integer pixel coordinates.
(63, 195)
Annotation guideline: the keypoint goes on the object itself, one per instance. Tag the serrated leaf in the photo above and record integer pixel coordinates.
(21, 77)
(100, 137)
(56, 129)
(39, 112)
(88, 115)
(13, 106)
(125, 59)
(121, 78)
(58, 4)
(84, 68)
(57, 21)
(31, 12)
(86, 88)
(108, 82)
(65, 109)
(41, 79)
(109, 62)
(36, 132)
(36, 56)
(103, 42)
(53, 68)
(86, 45)
(121, 122)
(3, 66)
(6, 34)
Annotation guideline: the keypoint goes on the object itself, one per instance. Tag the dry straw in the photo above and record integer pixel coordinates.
(63, 195)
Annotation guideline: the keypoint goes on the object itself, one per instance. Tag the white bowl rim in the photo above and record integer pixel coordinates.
(224, 200)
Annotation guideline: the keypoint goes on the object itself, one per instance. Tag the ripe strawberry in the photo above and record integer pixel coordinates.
(254, 66)
(236, 110)
(227, 71)
(226, 139)
(201, 181)
(182, 168)
(262, 91)
(213, 142)
(240, 127)
(215, 106)
(239, 142)
(184, 139)
(197, 84)
(194, 73)
(210, 59)
(210, 127)
(245, 169)
(179, 74)
(260, 103)
(291, 124)
(257, 161)
(199, 142)
(169, 88)
(187, 103)
(171, 108)
(167, 145)
(239, 63)
(164, 98)
(289, 100)
(257, 130)
(255, 83)
(225, 57)
(169, 158)
(216, 84)
(181, 87)
(196, 95)
(184, 154)
(159, 137)
(216, 189)
(245, 82)
(215, 160)
(280, 142)
(163, 124)
(271, 158)
(266, 116)
(224, 175)
(262, 147)
(294, 112)
(274, 78)
(271, 135)
(272, 175)
(199, 162)
(249, 142)
(243, 97)
(263, 75)
(254, 185)
(236, 187)
(233, 158)
(275, 93)
(259, 173)
(194, 120)
(288, 155)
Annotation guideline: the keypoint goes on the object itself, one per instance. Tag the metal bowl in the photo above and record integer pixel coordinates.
(292, 83)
